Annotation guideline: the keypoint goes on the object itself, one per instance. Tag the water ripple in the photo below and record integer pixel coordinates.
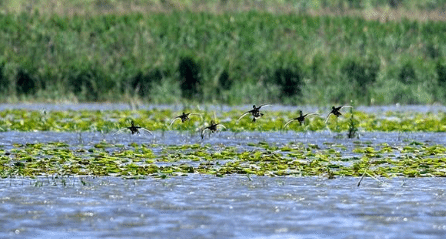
(230, 207)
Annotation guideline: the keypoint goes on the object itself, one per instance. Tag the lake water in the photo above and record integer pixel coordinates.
(200, 206)
(234, 206)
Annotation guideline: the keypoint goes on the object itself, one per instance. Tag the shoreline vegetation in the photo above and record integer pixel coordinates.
(224, 52)
(383, 10)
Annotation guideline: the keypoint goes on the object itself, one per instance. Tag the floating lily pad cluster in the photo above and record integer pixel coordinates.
(296, 159)
(410, 159)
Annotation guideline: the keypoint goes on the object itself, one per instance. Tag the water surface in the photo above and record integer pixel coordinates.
(234, 206)
(229, 207)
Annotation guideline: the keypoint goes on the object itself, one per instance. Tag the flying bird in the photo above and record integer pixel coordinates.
(255, 112)
(336, 111)
(183, 117)
(135, 129)
(212, 128)
(301, 118)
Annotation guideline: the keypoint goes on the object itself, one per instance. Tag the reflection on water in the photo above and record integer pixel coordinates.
(229, 207)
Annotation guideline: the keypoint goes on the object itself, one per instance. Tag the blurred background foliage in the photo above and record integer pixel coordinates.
(224, 51)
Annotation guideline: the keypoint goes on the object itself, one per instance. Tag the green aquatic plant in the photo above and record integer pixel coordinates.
(112, 121)
(60, 160)
(352, 128)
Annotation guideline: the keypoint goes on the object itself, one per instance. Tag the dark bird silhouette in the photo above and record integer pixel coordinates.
(183, 117)
(301, 118)
(336, 111)
(135, 129)
(255, 112)
(212, 128)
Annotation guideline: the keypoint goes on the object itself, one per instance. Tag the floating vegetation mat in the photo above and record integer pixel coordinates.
(155, 120)
(277, 152)
(135, 160)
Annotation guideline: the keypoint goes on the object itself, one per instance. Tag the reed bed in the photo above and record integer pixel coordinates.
(164, 52)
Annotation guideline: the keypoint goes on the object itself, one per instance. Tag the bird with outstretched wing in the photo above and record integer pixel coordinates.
(336, 111)
(255, 112)
(301, 118)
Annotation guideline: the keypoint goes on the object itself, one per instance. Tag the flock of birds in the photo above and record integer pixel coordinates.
(255, 113)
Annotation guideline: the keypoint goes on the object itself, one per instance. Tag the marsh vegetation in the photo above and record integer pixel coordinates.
(232, 52)
(92, 143)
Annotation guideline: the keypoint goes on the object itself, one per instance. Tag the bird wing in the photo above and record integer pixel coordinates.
(327, 117)
(202, 131)
(121, 130)
(247, 112)
(201, 116)
(264, 105)
(146, 130)
(311, 114)
(287, 123)
(133, 129)
(174, 119)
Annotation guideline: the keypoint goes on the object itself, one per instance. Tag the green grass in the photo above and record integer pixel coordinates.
(231, 57)
(70, 7)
